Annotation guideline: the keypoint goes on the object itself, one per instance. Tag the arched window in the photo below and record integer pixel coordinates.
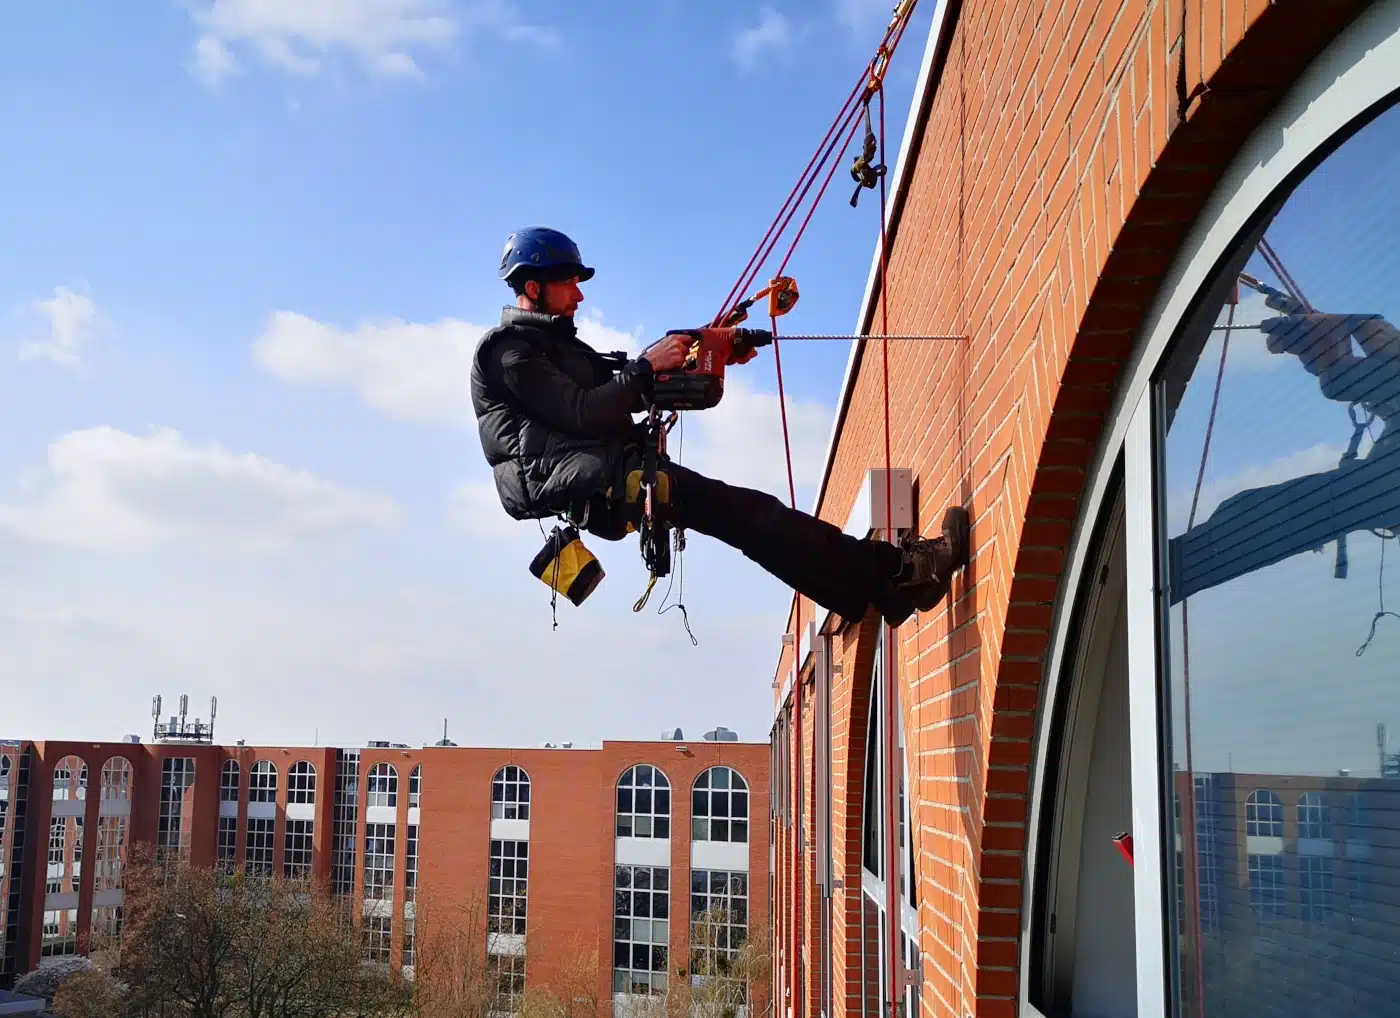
(510, 794)
(228, 782)
(262, 782)
(415, 787)
(720, 806)
(383, 787)
(301, 782)
(1263, 814)
(70, 780)
(643, 803)
(116, 779)
(1314, 816)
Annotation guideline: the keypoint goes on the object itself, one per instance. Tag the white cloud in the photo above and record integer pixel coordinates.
(741, 440)
(212, 62)
(418, 373)
(772, 34)
(386, 37)
(71, 319)
(476, 508)
(864, 15)
(102, 488)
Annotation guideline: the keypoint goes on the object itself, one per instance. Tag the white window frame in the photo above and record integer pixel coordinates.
(382, 787)
(262, 782)
(301, 783)
(229, 777)
(737, 784)
(627, 780)
(1358, 70)
(503, 806)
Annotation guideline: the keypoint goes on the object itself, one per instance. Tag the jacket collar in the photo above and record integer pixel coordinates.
(559, 325)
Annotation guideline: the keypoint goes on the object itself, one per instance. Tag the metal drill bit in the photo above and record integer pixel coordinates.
(814, 338)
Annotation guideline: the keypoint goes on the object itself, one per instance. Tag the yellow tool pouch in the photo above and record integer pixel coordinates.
(566, 566)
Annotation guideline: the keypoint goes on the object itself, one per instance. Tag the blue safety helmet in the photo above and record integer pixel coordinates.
(549, 253)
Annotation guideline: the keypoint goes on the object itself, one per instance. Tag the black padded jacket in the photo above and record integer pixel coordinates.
(554, 415)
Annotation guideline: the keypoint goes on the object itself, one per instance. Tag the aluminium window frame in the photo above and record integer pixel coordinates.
(1342, 88)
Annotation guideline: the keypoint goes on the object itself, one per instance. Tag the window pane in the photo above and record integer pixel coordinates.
(1281, 499)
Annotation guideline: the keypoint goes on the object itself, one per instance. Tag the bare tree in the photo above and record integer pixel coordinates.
(202, 943)
(90, 994)
(452, 975)
(573, 993)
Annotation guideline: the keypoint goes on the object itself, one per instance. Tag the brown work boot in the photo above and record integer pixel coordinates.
(927, 570)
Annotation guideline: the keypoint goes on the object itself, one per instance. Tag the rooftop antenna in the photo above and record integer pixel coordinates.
(445, 741)
(179, 728)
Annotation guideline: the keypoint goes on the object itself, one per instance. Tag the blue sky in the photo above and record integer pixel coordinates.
(248, 250)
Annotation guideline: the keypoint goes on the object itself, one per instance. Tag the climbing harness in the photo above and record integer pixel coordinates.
(653, 491)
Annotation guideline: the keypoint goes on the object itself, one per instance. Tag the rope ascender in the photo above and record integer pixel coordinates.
(865, 171)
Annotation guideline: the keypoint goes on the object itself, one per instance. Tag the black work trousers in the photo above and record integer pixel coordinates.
(843, 574)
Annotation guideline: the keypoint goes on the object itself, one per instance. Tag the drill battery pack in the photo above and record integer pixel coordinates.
(699, 384)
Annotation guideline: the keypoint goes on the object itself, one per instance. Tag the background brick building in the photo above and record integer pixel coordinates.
(1088, 193)
(546, 846)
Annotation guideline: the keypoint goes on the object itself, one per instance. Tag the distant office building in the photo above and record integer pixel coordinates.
(1291, 890)
(618, 846)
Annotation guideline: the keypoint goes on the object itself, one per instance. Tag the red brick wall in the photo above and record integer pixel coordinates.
(1067, 148)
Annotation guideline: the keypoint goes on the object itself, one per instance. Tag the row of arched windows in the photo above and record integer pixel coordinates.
(719, 802)
(1264, 812)
(719, 796)
(70, 779)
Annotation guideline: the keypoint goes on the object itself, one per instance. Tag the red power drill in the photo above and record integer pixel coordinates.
(699, 384)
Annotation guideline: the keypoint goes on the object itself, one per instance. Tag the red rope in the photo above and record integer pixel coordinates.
(872, 81)
(894, 901)
(750, 270)
(842, 130)
(765, 249)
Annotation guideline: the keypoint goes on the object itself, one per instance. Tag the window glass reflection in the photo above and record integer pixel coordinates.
(1281, 496)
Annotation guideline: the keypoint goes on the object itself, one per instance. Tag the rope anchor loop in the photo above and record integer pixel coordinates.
(865, 171)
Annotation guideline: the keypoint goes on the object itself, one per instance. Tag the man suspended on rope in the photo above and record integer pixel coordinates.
(556, 425)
